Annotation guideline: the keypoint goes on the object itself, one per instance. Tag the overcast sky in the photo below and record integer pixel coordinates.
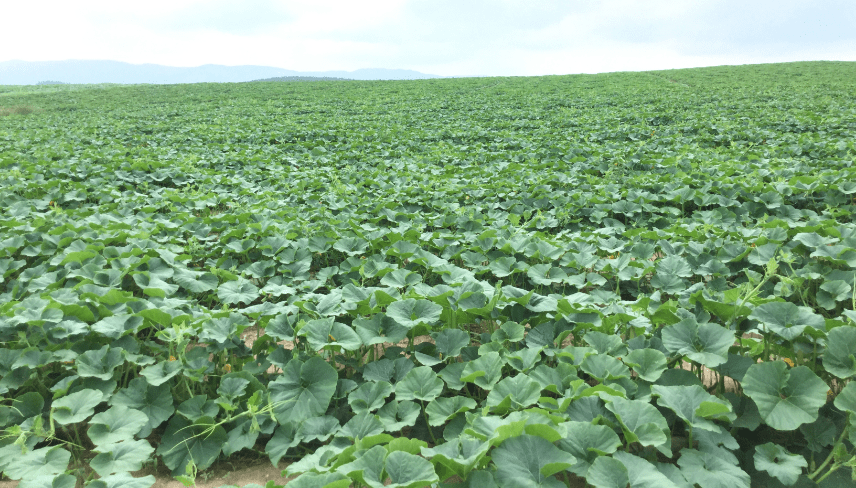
(442, 37)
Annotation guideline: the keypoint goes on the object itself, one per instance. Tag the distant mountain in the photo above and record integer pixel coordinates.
(85, 71)
(305, 78)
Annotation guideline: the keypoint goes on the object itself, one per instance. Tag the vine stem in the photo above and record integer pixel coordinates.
(425, 414)
(831, 455)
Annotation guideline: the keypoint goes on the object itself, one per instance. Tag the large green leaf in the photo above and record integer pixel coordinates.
(513, 393)
(320, 480)
(237, 291)
(404, 470)
(118, 423)
(786, 319)
(420, 383)
(780, 463)
(304, 390)
(607, 472)
(460, 455)
(156, 402)
(379, 329)
(397, 415)
(413, 312)
(694, 405)
(587, 442)
(120, 457)
(647, 363)
(786, 398)
(122, 480)
(408, 471)
(195, 281)
(443, 409)
(485, 371)
(99, 363)
(369, 396)
(328, 334)
(43, 462)
(642, 423)
(706, 344)
(449, 342)
(184, 442)
(159, 373)
(76, 407)
(840, 355)
(709, 470)
(116, 326)
(530, 461)
(641, 473)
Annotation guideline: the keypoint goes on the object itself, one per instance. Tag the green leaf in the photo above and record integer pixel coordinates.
(460, 455)
(587, 442)
(284, 438)
(840, 355)
(786, 398)
(846, 399)
(317, 428)
(123, 456)
(397, 415)
(369, 396)
(60, 481)
(484, 371)
(232, 386)
(304, 390)
(604, 367)
(420, 383)
(694, 405)
(642, 473)
(708, 470)
(184, 442)
(642, 423)
(611, 345)
(367, 468)
(156, 402)
(117, 326)
(326, 333)
(153, 286)
(607, 472)
(320, 480)
(449, 342)
(508, 331)
(196, 407)
(786, 319)
(648, 364)
(122, 480)
(118, 423)
(238, 291)
(706, 344)
(44, 462)
(780, 463)
(195, 281)
(159, 373)
(444, 409)
(513, 393)
(530, 461)
(408, 471)
(412, 312)
(379, 329)
(99, 363)
(76, 407)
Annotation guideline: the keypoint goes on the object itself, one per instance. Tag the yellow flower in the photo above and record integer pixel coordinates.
(227, 368)
(172, 358)
(788, 361)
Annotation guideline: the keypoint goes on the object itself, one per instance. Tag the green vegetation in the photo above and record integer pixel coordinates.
(641, 279)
